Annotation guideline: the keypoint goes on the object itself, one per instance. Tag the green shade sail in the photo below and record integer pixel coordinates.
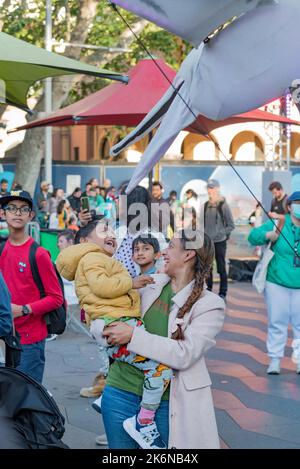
(22, 64)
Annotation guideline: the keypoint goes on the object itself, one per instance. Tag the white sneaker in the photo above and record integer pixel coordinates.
(274, 367)
(97, 404)
(147, 436)
(51, 337)
(101, 440)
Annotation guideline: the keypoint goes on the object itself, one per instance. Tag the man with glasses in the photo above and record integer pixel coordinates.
(28, 308)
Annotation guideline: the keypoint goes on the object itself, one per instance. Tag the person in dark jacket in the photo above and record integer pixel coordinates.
(75, 199)
(165, 216)
(279, 201)
(5, 309)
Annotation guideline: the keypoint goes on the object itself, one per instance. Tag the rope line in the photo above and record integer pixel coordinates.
(205, 131)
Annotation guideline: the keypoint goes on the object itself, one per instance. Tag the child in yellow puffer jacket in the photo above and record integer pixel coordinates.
(107, 294)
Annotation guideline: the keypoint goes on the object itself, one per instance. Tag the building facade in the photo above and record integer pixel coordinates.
(247, 142)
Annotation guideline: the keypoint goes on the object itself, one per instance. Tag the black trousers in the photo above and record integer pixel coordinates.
(220, 255)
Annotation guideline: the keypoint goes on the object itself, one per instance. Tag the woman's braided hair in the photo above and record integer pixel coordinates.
(202, 267)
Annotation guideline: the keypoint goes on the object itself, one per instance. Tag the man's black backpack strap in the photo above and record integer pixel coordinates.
(34, 269)
(56, 319)
(219, 209)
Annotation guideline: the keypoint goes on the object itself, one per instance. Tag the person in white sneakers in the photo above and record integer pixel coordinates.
(182, 319)
(108, 295)
(282, 291)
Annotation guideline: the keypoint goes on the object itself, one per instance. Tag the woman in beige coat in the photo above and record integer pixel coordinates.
(194, 318)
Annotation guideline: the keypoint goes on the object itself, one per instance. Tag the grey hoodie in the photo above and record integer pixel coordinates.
(213, 223)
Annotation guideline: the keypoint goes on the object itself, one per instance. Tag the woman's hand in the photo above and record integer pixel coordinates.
(141, 281)
(118, 333)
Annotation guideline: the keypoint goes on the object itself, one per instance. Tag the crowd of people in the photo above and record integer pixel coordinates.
(143, 285)
(56, 211)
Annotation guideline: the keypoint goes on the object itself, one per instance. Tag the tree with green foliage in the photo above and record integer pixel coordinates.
(80, 22)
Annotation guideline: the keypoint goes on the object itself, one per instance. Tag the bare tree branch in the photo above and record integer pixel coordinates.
(4, 4)
(101, 58)
(34, 139)
(88, 10)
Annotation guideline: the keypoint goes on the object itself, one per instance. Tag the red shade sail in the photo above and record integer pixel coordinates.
(117, 104)
(205, 125)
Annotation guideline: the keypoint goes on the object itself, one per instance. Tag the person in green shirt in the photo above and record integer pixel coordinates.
(181, 320)
(282, 291)
(96, 202)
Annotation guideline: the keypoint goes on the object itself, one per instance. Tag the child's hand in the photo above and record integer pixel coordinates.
(276, 216)
(141, 281)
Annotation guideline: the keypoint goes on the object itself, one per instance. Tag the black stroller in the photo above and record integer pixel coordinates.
(29, 416)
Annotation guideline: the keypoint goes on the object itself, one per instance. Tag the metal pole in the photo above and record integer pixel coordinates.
(48, 96)
(288, 153)
(273, 139)
(288, 101)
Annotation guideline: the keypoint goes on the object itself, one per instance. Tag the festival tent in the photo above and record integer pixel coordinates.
(245, 65)
(128, 105)
(22, 64)
(116, 104)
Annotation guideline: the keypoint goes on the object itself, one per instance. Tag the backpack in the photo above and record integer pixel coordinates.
(29, 416)
(219, 210)
(56, 319)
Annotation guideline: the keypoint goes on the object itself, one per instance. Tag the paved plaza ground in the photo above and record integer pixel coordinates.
(253, 410)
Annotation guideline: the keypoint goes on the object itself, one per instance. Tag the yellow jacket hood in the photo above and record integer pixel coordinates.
(68, 260)
(103, 286)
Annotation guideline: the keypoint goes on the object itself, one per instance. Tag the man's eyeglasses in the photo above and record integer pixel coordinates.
(13, 209)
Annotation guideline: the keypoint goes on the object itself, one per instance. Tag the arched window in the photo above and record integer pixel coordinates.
(247, 146)
(295, 145)
(198, 148)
